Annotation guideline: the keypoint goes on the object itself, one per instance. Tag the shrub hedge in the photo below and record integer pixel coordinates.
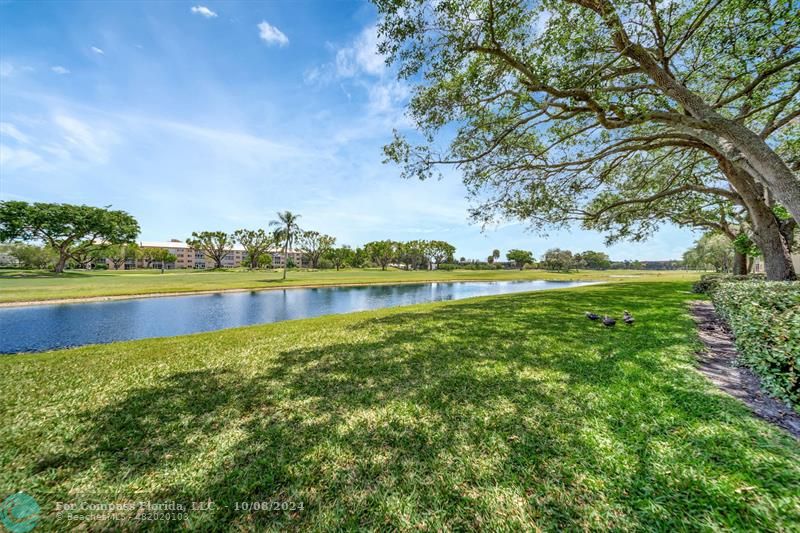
(764, 316)
(709, 282)
(469, 266)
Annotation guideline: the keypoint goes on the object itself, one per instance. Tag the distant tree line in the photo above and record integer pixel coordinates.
(714, 251)
(557, 259)
(85, 237)
(410, 255)
(553, 259)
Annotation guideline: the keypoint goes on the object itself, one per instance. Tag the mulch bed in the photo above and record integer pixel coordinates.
(718, 363)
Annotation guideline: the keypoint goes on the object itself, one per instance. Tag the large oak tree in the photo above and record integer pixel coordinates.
(548, 99)
(688, 189)
(70, 230)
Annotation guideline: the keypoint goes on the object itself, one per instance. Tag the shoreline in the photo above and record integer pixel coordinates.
(114, 297)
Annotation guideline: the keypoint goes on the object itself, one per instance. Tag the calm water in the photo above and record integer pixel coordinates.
(37, 328)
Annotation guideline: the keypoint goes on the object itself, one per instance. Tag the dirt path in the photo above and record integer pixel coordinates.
(716, 362)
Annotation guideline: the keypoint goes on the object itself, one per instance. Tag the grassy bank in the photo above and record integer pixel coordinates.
(500, 413)
(28, 285)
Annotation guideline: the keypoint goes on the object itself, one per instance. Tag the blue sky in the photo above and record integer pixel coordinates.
(214, 115)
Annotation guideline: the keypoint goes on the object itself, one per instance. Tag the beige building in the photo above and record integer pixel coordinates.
(758, 264)
(188, 257)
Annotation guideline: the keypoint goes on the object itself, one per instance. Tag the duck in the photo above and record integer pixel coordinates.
(627, 318)
(592, 316)
(608, 321)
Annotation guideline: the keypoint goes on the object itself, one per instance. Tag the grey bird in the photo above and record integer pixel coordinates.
(627, 318)
(608, 321)
(592, 316)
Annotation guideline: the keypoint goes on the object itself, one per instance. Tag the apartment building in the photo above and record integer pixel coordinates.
(758, 264)
(188, 257)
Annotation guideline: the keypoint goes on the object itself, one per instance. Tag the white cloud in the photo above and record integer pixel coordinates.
(98, 51)
(361, 56)
(313, 75)
(58, 69)
(203, 11)
(55, 140)
(18, 158)
(227, 140)
(89, 142)
(357, 59)
(271, 35)
(6, 69)
(387, 98)
(9, 130)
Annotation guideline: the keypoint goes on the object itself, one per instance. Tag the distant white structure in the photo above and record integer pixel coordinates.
(188, 257)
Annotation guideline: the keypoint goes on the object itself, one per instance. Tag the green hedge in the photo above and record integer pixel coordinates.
(709, 282)
(469, 266)
(764, 316)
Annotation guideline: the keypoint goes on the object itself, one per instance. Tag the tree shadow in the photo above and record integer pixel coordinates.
(27, 274)
(501, 413)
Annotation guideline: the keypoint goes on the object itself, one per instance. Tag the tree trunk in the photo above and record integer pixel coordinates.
(285, 257)
(62, 261)
(739, 264)
(768, 165)
(787, 228)
(766, 229)
(777, 260)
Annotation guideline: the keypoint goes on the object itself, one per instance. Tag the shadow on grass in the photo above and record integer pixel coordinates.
(28, 274)
(502, 413)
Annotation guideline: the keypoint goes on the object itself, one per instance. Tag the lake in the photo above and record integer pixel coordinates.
(47, 327)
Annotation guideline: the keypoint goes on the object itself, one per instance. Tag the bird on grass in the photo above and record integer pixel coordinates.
(608, 321)
(627, 318)
(592, 316)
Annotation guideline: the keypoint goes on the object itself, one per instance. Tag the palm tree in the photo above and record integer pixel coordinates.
(286, 231)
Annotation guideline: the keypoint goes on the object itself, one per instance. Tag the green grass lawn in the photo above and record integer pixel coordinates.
(501, 413)
(27, 285)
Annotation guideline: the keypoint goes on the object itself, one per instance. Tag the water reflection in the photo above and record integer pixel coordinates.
(37, 328)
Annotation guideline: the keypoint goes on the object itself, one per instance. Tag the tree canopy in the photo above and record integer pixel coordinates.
(314, 245)
(255, 242)
(711, 250)
(287, 231)
(440, 252)
(340, 257)
(70, 230)
(593, 260)
(520, 257)
(215, 244)
(558, 259)
(118, 254)
(556, 104)
(381, 252)
(162, 256)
